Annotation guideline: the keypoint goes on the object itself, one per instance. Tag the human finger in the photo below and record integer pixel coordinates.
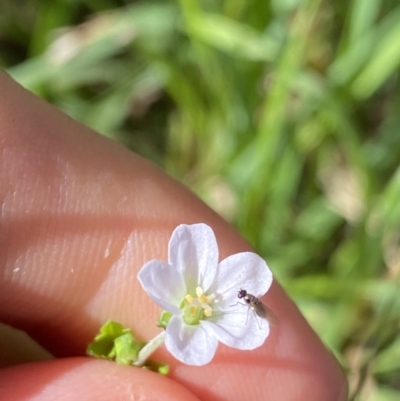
(85, 379)
(80, 217)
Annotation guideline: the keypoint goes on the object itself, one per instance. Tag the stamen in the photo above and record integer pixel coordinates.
(211, 298)
(207, 310)
(189, 298)
(203, 298)
(199, 292)
(199, 306)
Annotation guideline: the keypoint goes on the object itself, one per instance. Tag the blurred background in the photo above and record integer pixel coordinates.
(282, 115)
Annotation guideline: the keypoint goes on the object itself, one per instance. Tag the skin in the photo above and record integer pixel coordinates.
(71, 199)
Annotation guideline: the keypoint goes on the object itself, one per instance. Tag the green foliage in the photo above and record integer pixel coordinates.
(114, 342)
(282, 115)
(117, 343)
(163, 319)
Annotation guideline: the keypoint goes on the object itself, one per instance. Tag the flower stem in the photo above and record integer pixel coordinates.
(149, 348)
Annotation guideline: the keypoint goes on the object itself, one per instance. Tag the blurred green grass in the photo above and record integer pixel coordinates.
(283, 115)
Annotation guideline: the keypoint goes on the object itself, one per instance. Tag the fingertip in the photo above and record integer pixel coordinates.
(87, 379)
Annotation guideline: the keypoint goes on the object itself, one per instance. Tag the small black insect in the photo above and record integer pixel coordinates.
(258, 307)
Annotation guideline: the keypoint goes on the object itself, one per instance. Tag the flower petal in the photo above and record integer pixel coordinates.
(193, 250)
(164, 284)
(239, 329)
(193, 345)
(244, 270)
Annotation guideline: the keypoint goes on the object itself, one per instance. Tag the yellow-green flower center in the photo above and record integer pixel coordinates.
(197, 307)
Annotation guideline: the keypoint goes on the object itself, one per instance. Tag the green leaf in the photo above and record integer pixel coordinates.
(127, 348)
(382, 64)
(389, 359)
(238, 39)
(158, 367)
(115, 342)
(103, 344)
(163, 319)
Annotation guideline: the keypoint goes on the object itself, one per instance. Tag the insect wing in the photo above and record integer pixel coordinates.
(269, 315)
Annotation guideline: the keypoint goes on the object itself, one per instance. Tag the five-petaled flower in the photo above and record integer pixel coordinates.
(201, 295)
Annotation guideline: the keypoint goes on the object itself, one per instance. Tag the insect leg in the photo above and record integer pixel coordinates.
(247, 316)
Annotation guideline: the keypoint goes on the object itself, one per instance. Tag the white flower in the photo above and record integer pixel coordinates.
(201, 295)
